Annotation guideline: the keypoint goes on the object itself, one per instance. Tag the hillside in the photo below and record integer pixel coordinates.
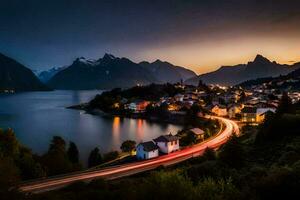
(111, 72)
(166, 72)
(46, 75)
(290, 81)
(104, 73)
(260, 67)
(15, 76)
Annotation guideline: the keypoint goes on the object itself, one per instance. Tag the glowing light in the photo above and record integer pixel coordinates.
(116, 129)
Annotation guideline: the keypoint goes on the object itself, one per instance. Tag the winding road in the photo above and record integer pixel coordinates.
(42, 185)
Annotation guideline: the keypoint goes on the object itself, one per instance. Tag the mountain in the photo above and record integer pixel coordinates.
(15, 76)
(105, 73)
(295, 73)
(166, 72)
(231, 75)
(110, 72)
(46, 75)
(290, 81)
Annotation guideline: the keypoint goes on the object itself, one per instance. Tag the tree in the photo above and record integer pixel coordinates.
(265, 128)
(110, 156)
(232, 153)
(57, 144)
(29, 167)
(95, 158)
(191, 116)
(203, 86)
(56, 159)
(9, 145)
(188, 138)
(73, 153)
(128, 146)
(209, 154)
(216, 189)
(166, 185)
(242, 96)
(9, 173)
(285, 105)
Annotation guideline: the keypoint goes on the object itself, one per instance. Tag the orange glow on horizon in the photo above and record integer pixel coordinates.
(207, 56)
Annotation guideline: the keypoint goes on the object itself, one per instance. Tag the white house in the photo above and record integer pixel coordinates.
(179, 97)
(146, 150)
(167, 143)
(137, 105)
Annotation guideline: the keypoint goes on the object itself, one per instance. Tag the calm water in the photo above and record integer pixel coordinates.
(37, 116)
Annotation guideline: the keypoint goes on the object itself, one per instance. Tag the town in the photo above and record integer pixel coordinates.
(247, 106)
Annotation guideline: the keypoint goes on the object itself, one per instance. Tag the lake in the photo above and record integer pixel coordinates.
(37, 116)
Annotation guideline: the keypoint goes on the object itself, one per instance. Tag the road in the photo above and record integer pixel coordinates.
(114, 172)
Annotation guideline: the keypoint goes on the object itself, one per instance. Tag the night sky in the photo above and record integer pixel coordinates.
(200, 34)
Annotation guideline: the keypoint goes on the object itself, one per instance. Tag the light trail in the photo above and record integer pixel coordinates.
(114, 172)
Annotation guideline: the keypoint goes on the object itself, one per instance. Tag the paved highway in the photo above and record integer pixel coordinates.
(114, 172)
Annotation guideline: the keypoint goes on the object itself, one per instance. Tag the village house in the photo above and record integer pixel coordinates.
(200, 134)
(219, 110)
(138, 105)
(174, 107)
(167, 143)
(146, 150)
(254, 114)
(249, 115)
(190, 96)
(233, 110)
(179, 97)
(230, 98)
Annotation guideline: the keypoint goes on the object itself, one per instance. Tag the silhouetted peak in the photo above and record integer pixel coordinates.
(144, 63)
(160, 62)
(108, 56)
(260, 59)
(84, 61)
(80, 59)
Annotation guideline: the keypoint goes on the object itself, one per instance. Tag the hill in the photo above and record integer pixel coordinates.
(166, 72)
(290, 81)
(46, 75)
(16, 77)
(104, 73)
(111, 72)
(260, 67)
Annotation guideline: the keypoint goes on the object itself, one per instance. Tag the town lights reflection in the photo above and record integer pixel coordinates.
(116, 129)
(139, 128)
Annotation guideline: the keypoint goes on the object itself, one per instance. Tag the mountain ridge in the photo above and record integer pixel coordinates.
(110, 71)
(260, 67)
(288, 82)
(16, 77)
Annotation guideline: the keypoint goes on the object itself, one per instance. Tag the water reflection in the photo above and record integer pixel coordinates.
(37, 116)
(116, 129)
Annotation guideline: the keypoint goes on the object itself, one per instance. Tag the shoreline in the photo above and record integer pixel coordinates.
(176, 120)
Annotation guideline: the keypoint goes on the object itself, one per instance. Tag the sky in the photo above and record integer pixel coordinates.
(199, 35)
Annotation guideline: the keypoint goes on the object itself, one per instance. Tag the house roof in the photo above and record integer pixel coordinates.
(197, 131)
(149, 146)
(219, 106)
(166, 138)
(262, 111)
(249, 110)
(137, 101)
